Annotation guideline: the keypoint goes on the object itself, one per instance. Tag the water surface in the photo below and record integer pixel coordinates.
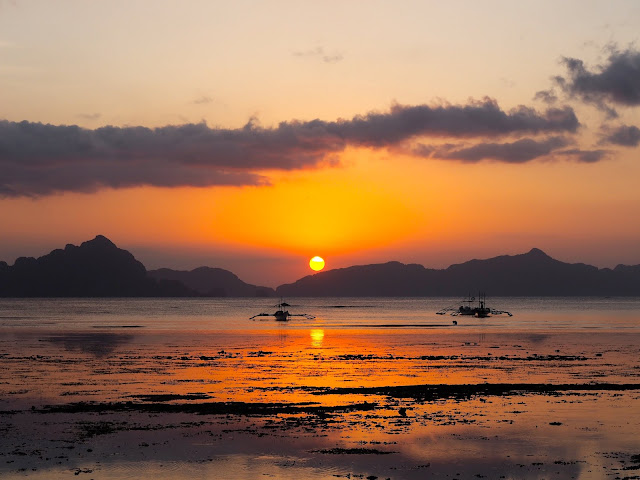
(177, 388)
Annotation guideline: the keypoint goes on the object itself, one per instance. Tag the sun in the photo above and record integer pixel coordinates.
(316, 263)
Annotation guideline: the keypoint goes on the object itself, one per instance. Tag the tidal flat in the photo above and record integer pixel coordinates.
(137, 389)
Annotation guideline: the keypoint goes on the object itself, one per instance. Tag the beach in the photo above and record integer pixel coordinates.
(369, 388)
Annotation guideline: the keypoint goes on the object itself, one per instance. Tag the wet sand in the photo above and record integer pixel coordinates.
(398, 403)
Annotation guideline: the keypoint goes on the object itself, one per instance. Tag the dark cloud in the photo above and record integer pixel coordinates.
(38, 159)
(616, 82)
(477, 119)
(625, 135)
(520, 151)
(91, 176)
(546, 96)
(585, 156)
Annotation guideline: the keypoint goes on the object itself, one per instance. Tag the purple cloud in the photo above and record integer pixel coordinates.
(520, 151)
(616, 82)
(40, 159)
(585, 156)
(624, 135)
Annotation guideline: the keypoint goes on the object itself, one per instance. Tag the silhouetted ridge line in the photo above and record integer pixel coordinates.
(98, 268)
(212, 282)
(529, 274)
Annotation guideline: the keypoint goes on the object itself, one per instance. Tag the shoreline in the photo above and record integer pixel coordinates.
(198, 391)
(397, 433)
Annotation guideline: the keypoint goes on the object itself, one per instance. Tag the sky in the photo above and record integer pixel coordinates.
(253, 136)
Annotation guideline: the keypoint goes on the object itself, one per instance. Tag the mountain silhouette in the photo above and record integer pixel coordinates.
(98, 268)
(212, 282)
(529, 274)
(95, 268)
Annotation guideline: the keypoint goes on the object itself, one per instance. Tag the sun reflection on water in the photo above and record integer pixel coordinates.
(317, 336)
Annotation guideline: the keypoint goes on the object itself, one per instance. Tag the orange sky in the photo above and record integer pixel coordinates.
(441, 214)
(353, 132)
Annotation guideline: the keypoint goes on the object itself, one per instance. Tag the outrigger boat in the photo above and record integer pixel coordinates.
(480, 311)
(282, 315)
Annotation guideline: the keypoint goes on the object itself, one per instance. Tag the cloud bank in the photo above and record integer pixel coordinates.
(520, 151)
(41, 159)
(586, 156)
(616, 82)
(624, 135)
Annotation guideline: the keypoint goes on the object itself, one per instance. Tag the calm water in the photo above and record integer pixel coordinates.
(132, 352)
(546, 313)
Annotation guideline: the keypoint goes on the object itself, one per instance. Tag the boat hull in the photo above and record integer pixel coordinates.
(281, 316)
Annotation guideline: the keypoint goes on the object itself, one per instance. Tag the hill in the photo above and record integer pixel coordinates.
(96, 268)
(529, 274)
(212, 282)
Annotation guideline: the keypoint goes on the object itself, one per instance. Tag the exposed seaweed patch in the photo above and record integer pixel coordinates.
(434, 392)
(78, 471)
(635, 463)
(352, 451)
(168, 397)
(117, 326)
(92, 429)
(210, 408)
(488, 358)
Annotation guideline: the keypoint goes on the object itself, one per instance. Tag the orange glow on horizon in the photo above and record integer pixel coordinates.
(339, 209)
(368, 210)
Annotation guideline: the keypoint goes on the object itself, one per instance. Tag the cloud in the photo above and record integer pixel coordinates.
(319, 52)
(520, 151)
(37, 159)
(203, 100)
(547, 96)
(477, 119)
(616, 82)
(585, 156)
(40, 159)
(624, 135)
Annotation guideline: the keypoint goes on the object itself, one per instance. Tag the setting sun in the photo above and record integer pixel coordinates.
(316, 263)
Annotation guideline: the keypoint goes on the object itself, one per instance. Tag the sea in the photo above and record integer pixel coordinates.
(215, 314)
(319, 396)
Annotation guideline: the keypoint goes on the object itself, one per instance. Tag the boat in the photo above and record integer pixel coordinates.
(282, 315)
(468, 308)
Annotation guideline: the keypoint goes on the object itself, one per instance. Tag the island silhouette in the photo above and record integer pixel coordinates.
(98, 268)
